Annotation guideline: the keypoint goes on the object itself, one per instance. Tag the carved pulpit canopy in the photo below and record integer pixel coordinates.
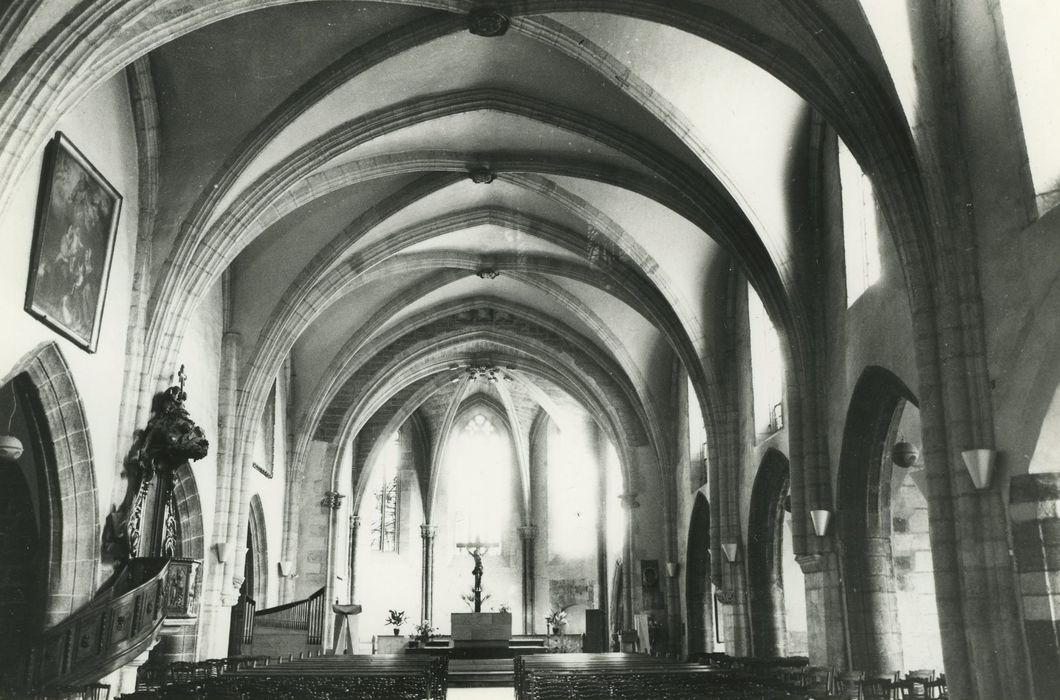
(146, 523)
(171, 437)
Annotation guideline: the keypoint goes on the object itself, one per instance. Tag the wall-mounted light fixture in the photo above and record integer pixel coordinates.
(905, 454)
(223, 551)
(980, 464)
(732, 551)
(10, 446)
(287, 568)
(672, 567)
(821, 517)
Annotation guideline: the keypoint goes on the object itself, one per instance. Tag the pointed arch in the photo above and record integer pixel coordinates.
(259, 545)
(764, 560)
(698, 600)
(71, 499)
(864, 518)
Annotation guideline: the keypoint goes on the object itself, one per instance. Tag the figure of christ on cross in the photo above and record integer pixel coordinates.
(477, 550)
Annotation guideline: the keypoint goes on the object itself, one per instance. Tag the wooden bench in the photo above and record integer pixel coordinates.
(590, 676)
(355, 676)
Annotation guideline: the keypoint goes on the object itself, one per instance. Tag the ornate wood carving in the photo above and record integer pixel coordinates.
(145, 525)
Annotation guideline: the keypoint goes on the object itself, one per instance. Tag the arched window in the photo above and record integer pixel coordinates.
(383, 520)
(697, 440)
(861, 236)
(480, 482)
(767, 367)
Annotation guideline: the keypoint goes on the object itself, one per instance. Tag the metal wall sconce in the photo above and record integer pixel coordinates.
(287, 568)
(980, 464)
(223, 551)
(672, 567)
(732, 551)
(821, 518)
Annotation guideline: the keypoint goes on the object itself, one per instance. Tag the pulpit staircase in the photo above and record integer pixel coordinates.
(123, 621)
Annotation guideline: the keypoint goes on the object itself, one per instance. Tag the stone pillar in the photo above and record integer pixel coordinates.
(872, 606)
(217, 599)
(675, 626)
(825, 614)
(528, 533)
(601, 524)
(733, 595)
(333, 502)
(355, 524)
(427, 533)
(1034, 508)
(629, 504)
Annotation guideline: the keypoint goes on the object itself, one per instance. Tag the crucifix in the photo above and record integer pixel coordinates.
(477, 550)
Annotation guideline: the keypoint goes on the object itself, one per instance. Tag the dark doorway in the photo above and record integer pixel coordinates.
(24, 533)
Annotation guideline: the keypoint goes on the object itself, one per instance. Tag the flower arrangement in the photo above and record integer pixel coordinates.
(424, 631)
(556, 619)
(504, 608)
(396, 619)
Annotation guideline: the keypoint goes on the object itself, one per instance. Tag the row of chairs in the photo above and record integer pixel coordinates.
(822, 683)
(796, 675)
(151, 676)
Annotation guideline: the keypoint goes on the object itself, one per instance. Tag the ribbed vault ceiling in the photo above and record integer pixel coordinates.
(621, 168)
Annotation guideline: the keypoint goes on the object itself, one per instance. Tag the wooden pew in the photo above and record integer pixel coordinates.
(629, 676)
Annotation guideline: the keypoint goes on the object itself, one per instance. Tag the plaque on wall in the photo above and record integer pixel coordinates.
(651, 592)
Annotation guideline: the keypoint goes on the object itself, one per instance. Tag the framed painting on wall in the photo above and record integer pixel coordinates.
(73, 244)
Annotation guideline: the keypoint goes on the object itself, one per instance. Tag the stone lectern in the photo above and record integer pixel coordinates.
(346, 639)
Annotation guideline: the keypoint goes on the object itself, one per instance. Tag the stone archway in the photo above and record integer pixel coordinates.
(864, 521)
(68, 497)
(257, 543)
(699, 602)
(766, 566)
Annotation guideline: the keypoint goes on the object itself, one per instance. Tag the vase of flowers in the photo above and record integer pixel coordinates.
(396, 619)
(424, 632)
(557, 620)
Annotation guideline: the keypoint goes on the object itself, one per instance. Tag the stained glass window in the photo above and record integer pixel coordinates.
(384, 522)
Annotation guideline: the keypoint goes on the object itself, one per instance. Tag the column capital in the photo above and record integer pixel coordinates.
(355, 521)
(332, 500)
(428, 532)
(528, 532)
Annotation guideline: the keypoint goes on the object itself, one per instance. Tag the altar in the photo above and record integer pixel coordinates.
(481, 629)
